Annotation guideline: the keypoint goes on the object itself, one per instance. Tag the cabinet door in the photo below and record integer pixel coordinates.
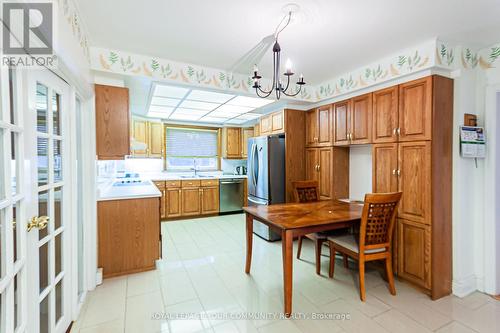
(324, 126)
(325, 173)
(265, 125)
(385, 115)
(414, 160)
(191, 201)
(246, 133)
(112, 122)
(311, 127)
(384, 167)
(163, 204)
(210, 200)
(155, 139)
(233, 142)
(172, 202)
(414, 252)
(415, 110)
(140, 135)
(278, 123)
(312, 162)
(256, 129)
(361, 116)
(341, 116)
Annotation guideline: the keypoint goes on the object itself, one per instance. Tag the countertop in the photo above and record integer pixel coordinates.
(145, 190)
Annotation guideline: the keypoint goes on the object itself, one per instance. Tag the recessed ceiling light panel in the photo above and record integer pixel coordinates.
(159, 108)
(199, 105)
(180, 116)
(249, 116)
(210, 119)
(249, 101)
(234, 108)
(191, 111)
(165, 101)
(208, 96)
(170, 91)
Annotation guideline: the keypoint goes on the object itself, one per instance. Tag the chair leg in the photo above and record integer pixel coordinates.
(299, 247)
(346, 260)
(317, 249)
(332, 260)
(390, 275)
(362, 279)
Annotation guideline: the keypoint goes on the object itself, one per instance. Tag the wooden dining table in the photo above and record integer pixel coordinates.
(298, 219)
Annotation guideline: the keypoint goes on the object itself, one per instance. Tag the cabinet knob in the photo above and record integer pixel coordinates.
(394, 131)
(394, 171)
(398, 131)
(399, 172)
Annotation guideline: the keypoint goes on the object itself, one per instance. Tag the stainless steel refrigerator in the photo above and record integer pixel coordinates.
(266, 177)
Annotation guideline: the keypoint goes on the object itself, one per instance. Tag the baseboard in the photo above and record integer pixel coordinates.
(464, 287)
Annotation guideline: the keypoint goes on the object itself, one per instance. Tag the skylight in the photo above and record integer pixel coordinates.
(185, 104)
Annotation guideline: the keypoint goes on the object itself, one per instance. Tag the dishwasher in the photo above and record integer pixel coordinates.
(231, 195)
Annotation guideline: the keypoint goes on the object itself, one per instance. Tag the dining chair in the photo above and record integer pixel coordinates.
(375, 236)
(308, 191)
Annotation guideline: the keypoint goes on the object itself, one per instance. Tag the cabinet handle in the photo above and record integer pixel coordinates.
(394, 131)
(319, 167)
(394, 171)
(399, 173)
(399, 131)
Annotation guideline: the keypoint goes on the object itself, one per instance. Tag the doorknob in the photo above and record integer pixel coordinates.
(39, 222)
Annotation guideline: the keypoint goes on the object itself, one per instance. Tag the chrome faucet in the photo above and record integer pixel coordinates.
(194, 163)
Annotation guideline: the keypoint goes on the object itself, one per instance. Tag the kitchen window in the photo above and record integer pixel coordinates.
(190, 148)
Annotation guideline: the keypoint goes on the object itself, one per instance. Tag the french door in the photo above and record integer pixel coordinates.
(48, 200)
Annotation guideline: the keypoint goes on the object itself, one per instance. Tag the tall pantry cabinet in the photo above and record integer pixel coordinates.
(412, 153)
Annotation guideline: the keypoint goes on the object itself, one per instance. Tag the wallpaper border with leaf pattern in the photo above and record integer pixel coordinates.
(73, 18)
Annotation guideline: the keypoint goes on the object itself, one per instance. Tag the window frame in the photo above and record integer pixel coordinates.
(192, 127)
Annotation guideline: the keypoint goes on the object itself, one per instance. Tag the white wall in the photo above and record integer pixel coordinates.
(360, 171)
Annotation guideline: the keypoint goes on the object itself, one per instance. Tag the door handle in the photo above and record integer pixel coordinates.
(39, 222)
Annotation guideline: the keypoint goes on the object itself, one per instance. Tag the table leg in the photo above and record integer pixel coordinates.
(249, 223)
(287, 248)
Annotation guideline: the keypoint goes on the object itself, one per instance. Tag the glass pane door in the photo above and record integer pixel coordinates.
(48, 239)
(13, 307)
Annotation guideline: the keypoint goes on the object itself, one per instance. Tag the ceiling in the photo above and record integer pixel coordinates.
(326, 38)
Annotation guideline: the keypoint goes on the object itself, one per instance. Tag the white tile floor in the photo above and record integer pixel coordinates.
(203, 274)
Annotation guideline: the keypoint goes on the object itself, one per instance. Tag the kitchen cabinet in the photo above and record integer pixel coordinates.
(414, 172)
(385, 115)
(191, 204)
(319, 127)
(246, 133)
(415, 110)
(329, 166)
(353, 121)
(128, 235)
(419, 166)
(277, 122)
(151, 135)
(156, 138)
(172, 202)
(112, 122)
(384, 169)
(231, 142)
(342, 122)
(414, 252)
(209, 197)
(161, 187)
(256, 129)
(266, 125)
(361, 117)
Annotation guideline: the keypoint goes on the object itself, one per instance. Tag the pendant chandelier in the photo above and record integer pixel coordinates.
(278, 86)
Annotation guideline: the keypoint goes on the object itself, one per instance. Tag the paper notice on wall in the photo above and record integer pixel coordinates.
(472, 142)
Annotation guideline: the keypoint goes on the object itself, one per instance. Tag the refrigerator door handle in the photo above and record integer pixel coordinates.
(258, 164)
(252, 166)
(258, 202)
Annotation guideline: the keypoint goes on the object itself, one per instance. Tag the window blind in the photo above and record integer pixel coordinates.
(191, 142)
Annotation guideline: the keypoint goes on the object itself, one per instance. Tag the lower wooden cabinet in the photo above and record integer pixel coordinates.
(414, 252)
(171, 203)
(188, 197)
(209, 200)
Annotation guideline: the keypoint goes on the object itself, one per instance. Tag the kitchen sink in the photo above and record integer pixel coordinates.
(197, 176)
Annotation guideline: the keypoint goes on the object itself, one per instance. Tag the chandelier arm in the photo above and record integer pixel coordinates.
(287, 83)
(266, 93)
(292, 95)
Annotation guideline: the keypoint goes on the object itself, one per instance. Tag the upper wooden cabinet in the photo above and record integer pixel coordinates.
(231, 142)
(415, 110)
(112, 122)
(342, 122)
(385, 115)
(150, 134)
(246, 133)
(361, 116)
(319, 127)
(273, 123)
(256, 129)
(234, 142)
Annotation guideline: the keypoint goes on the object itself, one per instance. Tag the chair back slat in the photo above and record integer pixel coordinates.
(378, 219)
(305, 191)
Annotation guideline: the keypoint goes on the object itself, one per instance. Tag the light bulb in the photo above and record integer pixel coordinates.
(288, 66)
(255, 69)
